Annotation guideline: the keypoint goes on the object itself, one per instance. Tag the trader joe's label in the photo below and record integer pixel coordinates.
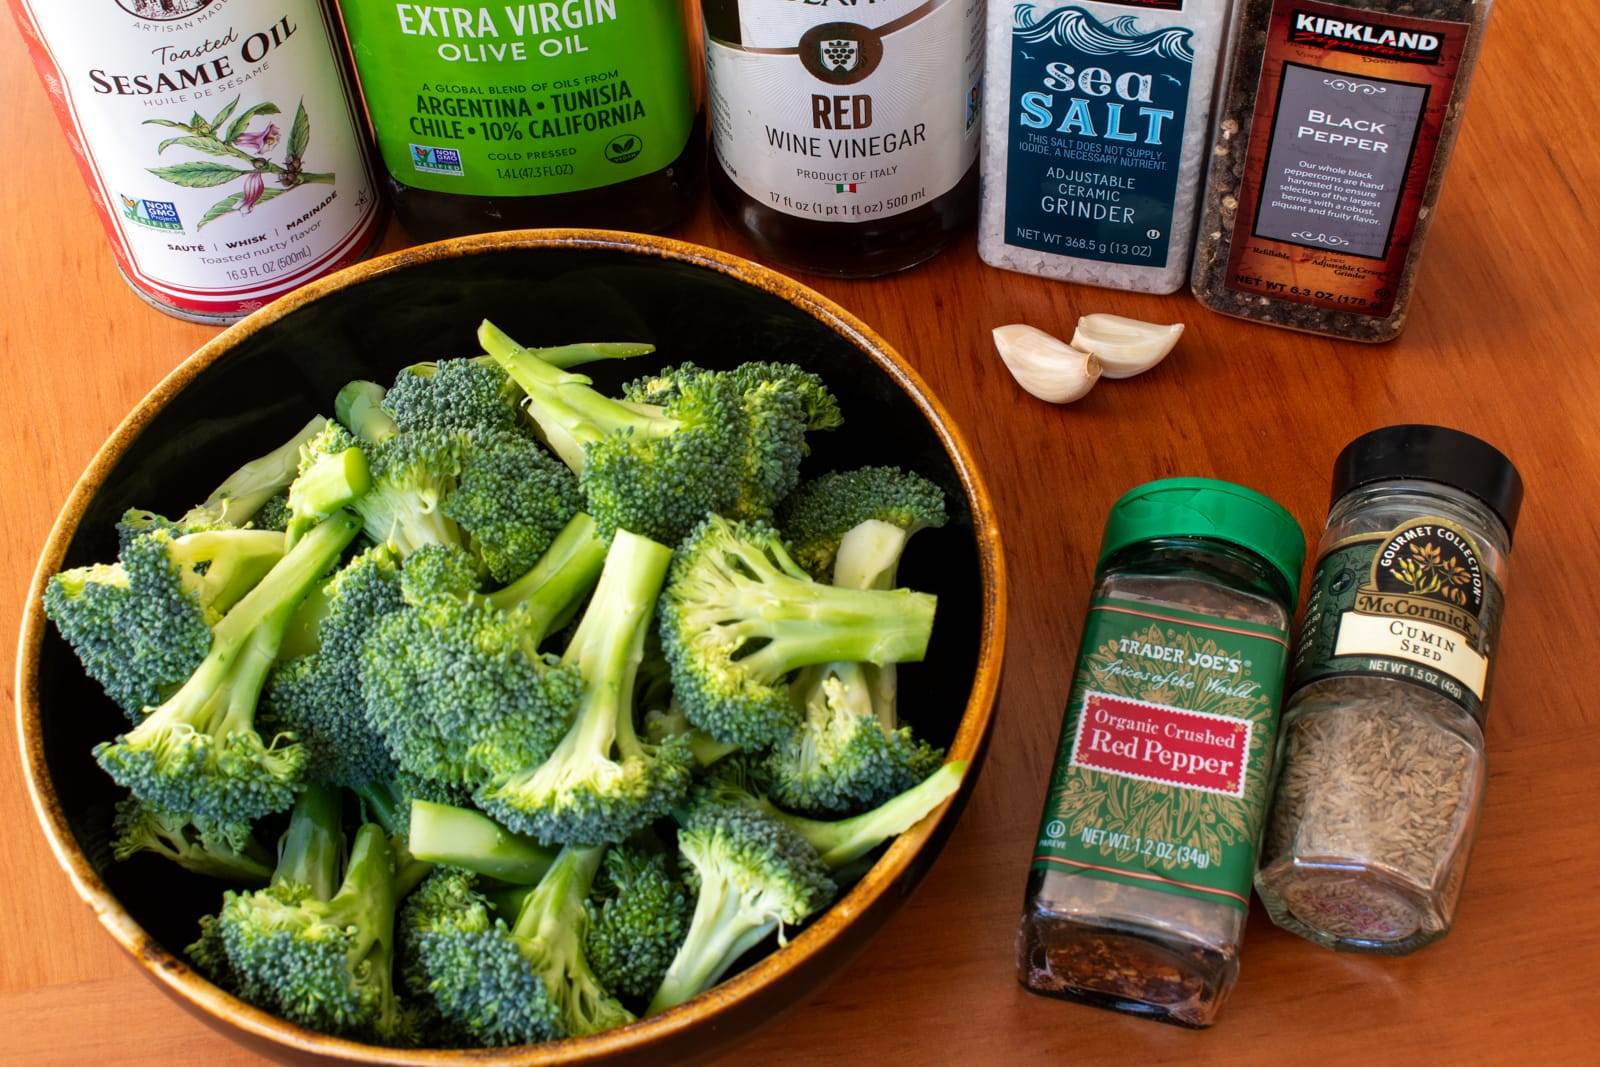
(523, 99)
(1415, 603)
(1161, 775)
(217, 138)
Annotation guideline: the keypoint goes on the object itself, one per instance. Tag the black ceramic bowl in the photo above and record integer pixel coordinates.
(260, 380)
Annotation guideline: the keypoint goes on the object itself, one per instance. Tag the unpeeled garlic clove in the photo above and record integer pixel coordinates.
(1046, 366)
(1125, 346)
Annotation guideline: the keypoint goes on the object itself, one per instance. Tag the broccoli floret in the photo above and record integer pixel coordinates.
(839, 842)
(602, 782)
(333, 474)
(660, 726)
(326, 962)
(455, 683)
(454, 394)
(638, 916)
(841, 759)
(739, 615)
(412, 473)
(512, 499)
(819, 406)
(752, 876)
(238, 500)
(521, 983)
(228, 852)
(318, 697)
(654, 471)
(142, 625)
(273, 515)
(815, 518)
(460, 837)
(199, 751)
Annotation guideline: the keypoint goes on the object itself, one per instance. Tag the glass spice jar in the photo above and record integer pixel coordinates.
(1381, 771)
(1140, 880)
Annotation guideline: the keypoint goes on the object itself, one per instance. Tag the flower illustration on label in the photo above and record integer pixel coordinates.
(238, 154)
(163, 10)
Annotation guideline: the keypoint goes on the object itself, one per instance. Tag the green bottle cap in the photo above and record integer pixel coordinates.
(1205, 507)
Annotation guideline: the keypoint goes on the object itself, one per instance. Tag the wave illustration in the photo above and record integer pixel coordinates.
(1074, 27)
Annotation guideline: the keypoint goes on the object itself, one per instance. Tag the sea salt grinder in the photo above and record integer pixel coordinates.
(1095, 116)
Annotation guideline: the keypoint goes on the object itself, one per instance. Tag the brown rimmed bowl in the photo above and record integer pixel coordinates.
(258, 381)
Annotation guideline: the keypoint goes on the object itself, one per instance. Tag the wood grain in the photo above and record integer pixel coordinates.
(1498, 344)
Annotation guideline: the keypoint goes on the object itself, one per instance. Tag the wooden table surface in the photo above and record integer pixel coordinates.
(1498, 345)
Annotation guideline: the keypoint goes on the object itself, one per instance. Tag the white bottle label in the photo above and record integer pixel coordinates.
(217, 136)
(848, 121)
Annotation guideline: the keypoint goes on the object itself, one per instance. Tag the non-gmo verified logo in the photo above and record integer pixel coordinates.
(156, 214)
(432, 160)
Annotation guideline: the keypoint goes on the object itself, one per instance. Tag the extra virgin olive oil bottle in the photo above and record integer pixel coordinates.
(507, 115)
(845, 135)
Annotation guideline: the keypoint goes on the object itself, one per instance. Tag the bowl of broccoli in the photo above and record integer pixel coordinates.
(538, 647)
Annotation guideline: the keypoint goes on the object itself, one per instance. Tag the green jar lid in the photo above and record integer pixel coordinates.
(1205, 507)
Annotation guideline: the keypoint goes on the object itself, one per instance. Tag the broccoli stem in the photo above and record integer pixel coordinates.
(267, 607)
(841, 841)
(869, 558)
(383, 805)
(720, 931)
(499, 345)
(234, 561)
(359, 406)
(808, 623)
(566, 408)
(313, 845)
(460, 837)
(551, 592)
(366, 899)
(553, 913)
(332, 482)
(508, 902)
(241, 495)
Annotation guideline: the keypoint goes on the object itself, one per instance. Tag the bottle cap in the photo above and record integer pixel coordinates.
(1432, 454)
(1205, 507)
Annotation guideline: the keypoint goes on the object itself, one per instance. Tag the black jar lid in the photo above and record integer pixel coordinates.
(1432, 454)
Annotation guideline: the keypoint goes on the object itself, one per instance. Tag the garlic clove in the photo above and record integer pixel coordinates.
(1125, 346)
(1045, 366)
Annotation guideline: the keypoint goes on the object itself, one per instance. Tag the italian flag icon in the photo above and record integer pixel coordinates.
(845, 187)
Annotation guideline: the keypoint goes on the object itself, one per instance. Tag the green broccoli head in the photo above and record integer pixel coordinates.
(199, 751)
(455, 394)
(842, 759)
(273, 515)
(455, 683)
(638, 916)
(512, 499)
(752, 876)
(602, 782)
(513, 984)
(324, 964)
(318, 697)
(142, 625)
(228, 852)
(819, 513)
(413, 474)
(739, 615)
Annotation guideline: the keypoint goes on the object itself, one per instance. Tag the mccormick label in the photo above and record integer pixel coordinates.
(218, 141)
(845, 121)
(523, 99)
(1166, 752)
(1414, 603)
(1100, 100)
(1343, 141)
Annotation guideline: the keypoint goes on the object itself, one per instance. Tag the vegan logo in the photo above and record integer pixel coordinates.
(156, 214)
(1365, 38)
(841, 53)
(624, 148)
(431, 160)
(228, 139)
(163, 10)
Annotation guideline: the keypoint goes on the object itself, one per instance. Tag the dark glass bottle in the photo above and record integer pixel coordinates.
(845, 148)
(501, 118)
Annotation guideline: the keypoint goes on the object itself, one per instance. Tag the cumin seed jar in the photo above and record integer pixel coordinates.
(1140, 881)
(1381, 770)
